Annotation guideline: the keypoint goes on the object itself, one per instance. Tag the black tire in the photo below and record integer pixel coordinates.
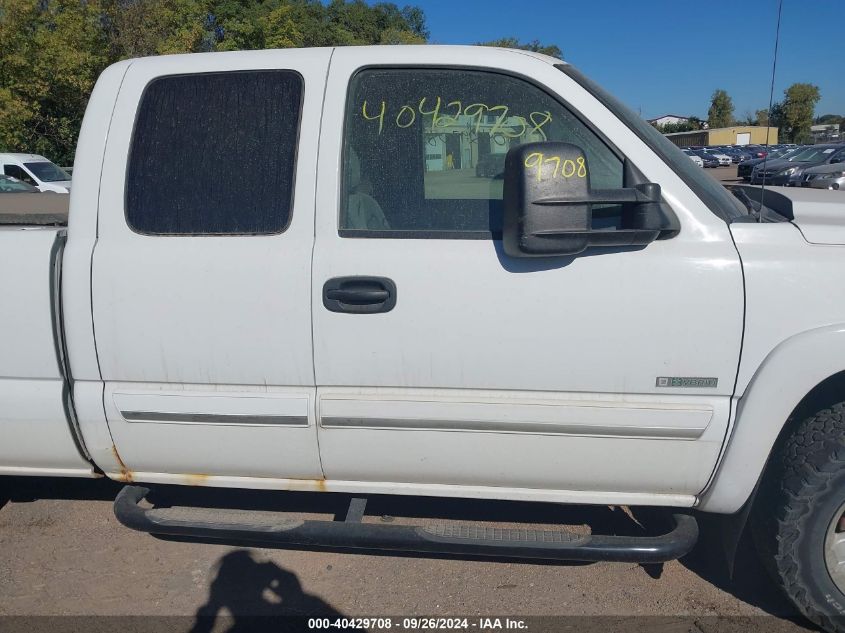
(803, 490)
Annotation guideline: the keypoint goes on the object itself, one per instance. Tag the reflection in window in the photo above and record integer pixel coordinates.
(427, 148)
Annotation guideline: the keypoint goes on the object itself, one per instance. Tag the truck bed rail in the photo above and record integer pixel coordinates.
(37, 209)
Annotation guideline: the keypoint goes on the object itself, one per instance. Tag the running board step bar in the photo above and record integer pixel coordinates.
(452, 538)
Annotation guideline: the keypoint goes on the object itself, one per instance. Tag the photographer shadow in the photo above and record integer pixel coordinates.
(248, 595)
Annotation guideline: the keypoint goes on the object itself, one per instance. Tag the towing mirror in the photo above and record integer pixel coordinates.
(548, 204)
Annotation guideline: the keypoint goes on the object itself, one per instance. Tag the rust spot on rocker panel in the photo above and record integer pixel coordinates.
(196, 479)
(204, 479)
(307, 485)
(125, 474)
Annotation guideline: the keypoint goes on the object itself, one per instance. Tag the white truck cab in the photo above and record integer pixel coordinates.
(361, 308)
(36, 171)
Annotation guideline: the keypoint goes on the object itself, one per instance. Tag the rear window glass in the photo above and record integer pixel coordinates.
(215, 154)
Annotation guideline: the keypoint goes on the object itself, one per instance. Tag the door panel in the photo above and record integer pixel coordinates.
(206, 430)
(201, 310)
(575, 343)
(520, 439)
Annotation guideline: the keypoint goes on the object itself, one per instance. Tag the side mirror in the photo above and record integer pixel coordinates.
(548, 204)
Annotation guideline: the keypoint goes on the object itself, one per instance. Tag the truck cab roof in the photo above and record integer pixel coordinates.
(460, 51)
(24, 157)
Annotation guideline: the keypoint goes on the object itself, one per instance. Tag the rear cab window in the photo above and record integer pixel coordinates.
(215, 154)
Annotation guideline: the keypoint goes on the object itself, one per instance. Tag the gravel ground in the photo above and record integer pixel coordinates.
(62, 552)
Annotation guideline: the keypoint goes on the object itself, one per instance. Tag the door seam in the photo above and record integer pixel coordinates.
(312, 275)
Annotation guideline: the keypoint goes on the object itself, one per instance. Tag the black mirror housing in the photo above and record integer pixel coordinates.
(536, 172)
(548, 204)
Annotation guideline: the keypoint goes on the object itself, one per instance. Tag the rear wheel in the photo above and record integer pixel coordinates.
(798, 517)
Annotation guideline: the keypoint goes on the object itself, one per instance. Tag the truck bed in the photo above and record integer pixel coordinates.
(41, 209)
(35, 430)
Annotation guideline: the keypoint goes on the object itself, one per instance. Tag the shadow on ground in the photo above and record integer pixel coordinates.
(248, 595)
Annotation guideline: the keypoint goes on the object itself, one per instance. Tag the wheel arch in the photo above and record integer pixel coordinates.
(802, 374)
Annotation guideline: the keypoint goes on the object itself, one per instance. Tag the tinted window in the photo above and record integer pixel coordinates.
(47, 172)
(215, 154)
(17, 172)
(424, 150)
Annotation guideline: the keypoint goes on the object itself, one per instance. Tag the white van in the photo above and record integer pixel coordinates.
(35, 170)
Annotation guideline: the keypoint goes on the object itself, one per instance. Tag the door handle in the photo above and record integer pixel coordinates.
(359, 295)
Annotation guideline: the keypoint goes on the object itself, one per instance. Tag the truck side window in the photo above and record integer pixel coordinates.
(190, 130)
(424, 151)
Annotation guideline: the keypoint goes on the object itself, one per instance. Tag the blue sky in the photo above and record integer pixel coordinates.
(668, 57)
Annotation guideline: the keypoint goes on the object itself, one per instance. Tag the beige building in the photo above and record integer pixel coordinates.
(736, 135)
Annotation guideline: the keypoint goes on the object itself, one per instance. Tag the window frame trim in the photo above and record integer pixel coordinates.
(495, 236)
(301, 106)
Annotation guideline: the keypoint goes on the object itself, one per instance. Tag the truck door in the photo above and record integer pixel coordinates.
(443, 362)
(201, 273)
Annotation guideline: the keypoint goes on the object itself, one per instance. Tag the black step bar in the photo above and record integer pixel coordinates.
(467, 540)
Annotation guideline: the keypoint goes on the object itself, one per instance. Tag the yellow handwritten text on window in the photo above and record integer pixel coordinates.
(499, 118)
(563, 168)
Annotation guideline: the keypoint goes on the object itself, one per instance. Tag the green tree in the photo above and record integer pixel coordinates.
(762, 117)
(696, 123)
(280, 28)
(681, 126)
(50, 56)
(799, 104)
(139, 28)
(51, 51)
(776, 119)
(721, 112)
(827, 119)
(535, 46)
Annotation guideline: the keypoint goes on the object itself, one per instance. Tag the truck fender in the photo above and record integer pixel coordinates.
(791, 371)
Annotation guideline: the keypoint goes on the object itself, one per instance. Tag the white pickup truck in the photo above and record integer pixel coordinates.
(438, 271)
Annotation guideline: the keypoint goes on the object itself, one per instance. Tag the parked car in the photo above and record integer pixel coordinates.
(830, 176)
(789, 173)
(274, 328)
(490, 166)
(696, 159)
(724, 159)
(745, 168)
(737, 155)
(10, 184)
(757, 151)
(707, 158)
(36, 171)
